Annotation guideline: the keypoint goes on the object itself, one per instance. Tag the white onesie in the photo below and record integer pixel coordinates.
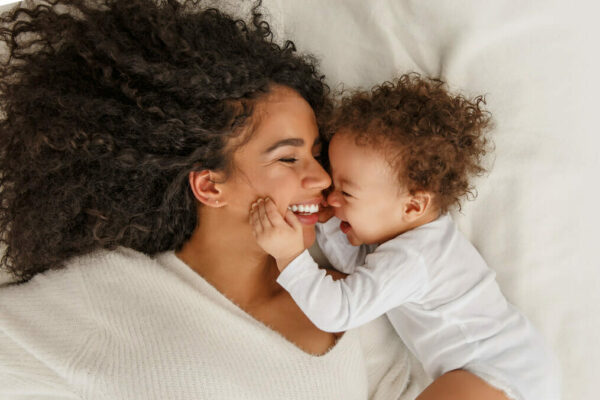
(441, 297)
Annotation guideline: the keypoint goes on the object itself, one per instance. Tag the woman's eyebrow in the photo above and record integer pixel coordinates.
(296, 142)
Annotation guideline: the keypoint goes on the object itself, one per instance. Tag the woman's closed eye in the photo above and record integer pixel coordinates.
(292, 160)
(345, 194)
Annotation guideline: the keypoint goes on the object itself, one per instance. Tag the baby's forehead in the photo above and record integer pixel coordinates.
(371, 146)
(352, 156)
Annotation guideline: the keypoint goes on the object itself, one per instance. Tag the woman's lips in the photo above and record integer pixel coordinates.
(308, 219)
(310, 214)
(345, 227)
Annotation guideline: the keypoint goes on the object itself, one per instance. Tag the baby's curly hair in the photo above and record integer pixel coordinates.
(434, 140)
(105, 108)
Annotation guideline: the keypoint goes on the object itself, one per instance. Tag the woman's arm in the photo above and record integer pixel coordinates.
(461, 385)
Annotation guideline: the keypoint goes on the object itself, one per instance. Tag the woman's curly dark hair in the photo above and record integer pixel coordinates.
(105, 108)
(434, 140)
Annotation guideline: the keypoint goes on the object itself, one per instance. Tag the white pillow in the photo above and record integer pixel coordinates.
(534, 220)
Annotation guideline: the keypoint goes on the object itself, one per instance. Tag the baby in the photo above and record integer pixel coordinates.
(401, 156)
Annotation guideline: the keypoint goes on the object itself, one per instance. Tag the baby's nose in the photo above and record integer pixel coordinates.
(334, 199)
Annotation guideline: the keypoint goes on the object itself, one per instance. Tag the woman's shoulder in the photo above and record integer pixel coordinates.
(59, 318)
(98, 265)
(76, 293)
(47, 322)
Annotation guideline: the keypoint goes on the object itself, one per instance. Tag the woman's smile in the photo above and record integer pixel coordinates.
(307, 212)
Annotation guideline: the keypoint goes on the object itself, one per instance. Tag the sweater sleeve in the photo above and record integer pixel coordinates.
(24, 377)
(386, 280)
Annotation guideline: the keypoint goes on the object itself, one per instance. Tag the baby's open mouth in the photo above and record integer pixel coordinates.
(345, 226)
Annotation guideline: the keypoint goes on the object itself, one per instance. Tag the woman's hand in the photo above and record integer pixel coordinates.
(279, 236)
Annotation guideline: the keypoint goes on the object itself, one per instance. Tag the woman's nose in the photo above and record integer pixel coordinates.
(317, 178)
(334, 199)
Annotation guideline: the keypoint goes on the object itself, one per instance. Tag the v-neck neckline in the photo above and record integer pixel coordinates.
(170, 260)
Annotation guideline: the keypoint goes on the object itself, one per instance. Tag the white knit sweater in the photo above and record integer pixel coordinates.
(121, 325)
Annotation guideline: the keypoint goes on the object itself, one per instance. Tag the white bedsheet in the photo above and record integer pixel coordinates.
(535, 219)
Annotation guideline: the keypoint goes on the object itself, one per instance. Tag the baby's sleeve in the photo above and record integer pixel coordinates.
(384, 282)
(335, 246)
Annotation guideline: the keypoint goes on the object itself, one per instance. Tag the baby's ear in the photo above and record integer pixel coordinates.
(206, 187)
(418, 204)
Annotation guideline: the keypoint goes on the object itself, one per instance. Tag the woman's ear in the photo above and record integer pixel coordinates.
(418, 204)
(206, 188)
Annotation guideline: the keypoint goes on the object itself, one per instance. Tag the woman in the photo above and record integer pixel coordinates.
(135, 137)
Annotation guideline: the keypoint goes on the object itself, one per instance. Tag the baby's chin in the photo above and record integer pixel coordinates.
(354, 241)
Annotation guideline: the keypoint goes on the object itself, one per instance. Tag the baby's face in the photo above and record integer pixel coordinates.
(367, 196)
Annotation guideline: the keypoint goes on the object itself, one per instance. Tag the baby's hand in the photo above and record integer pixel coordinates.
(279, 236)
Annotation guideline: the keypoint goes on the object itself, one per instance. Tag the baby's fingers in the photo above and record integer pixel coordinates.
(262, 214)
(292, 220)
(272, 214)
(255, 220)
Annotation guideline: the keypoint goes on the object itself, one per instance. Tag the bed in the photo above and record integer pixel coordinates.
(537, 62)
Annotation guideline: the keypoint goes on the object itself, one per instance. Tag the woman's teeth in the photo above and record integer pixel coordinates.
(305, 208)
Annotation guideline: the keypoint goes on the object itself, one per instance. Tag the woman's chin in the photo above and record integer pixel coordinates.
(309, 235)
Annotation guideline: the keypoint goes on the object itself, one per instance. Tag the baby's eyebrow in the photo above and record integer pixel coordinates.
(296, 142)
(348, 183)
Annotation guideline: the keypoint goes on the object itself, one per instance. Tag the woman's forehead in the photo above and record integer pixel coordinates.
(283, 115)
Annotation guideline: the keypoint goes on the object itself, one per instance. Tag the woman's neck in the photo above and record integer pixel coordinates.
(223, 251)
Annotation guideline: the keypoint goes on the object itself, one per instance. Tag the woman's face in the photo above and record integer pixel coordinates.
(279, 159)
